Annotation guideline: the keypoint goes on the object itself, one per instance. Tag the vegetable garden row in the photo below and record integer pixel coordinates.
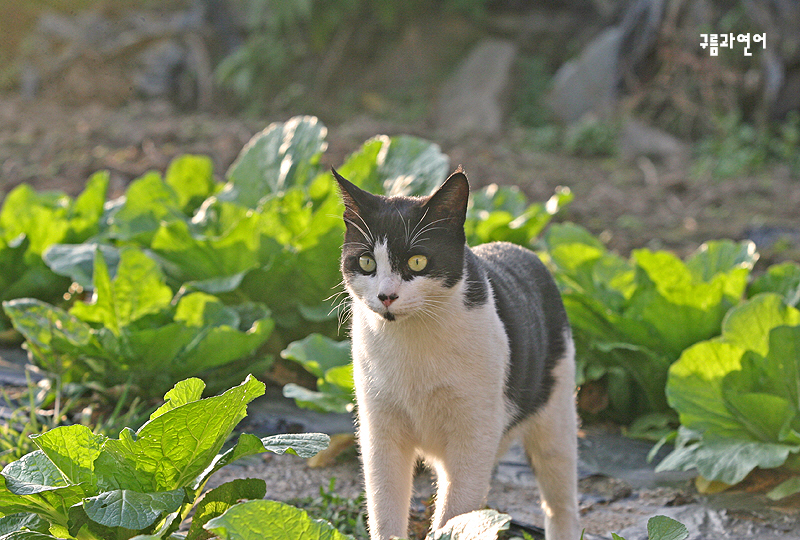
(185, 277)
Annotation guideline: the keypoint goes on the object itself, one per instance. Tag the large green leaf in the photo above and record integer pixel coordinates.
(171, 450)
(218, 500)
(138, 289)
(147, 203)
(749, 324)
(271, 520)
(411, 166)
(281, 156)
(27, 535)
(683, 308)
(330, 361)
(192, 179)
(76, 261)
(694, 387)
(326, 398)
(197, 256)
(45, 326)
(132, 509)
(304, 445)
(726, 460)
(73, 449)
(781, 365)
(502, 214)
(401, 165)
(183, 392)
(221, 334)
(318, 353)
(665, 528)
(16, 522)
(59, 341)
(33, 473)
(783, 279)
(721, 256)
(30, 222)
(47, 218)
(752, 392)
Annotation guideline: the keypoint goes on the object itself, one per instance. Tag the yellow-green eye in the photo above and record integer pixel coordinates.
(417, 263)
(366, 263)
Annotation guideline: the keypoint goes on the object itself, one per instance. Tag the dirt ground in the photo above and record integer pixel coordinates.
(631, 204)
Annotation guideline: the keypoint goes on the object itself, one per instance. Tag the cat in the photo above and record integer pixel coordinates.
(456, 352)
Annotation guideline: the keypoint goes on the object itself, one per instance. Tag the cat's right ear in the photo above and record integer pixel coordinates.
(355, 199)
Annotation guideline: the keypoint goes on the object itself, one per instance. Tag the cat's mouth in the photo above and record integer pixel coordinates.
(389, 316)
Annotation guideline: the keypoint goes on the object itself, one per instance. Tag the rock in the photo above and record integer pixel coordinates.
(470, 101)
(160, 63)
(588, 84)
(637, 139)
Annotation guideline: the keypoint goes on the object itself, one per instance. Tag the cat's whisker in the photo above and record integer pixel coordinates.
(405, 224)
(427, 228)
(357, 226)
(421, 220)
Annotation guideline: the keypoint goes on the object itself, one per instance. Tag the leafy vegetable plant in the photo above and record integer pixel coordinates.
(143, 484)
(633, 318)
(662, 528)
(30, 222)
(135, 331)
(738, 396)
(330, 361)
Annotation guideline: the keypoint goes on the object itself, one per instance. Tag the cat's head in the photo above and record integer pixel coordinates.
(403, 255)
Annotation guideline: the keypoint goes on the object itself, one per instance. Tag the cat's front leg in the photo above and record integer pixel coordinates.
(464, 471)
(389, 461)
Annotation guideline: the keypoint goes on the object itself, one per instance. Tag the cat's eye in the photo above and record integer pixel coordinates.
(417, 263)
(367, 263)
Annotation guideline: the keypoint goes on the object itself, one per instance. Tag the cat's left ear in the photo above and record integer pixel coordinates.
(355, 199)
(451, 199)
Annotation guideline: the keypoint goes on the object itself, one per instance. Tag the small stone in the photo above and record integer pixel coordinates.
(470, 101)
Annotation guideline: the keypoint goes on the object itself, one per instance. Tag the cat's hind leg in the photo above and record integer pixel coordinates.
(550, 440)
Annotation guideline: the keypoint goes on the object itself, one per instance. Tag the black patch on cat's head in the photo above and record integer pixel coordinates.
(432, 226)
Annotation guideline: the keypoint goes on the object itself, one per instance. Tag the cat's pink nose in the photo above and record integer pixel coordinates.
(387, 300)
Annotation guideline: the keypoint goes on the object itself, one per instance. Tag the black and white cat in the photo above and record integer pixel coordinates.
(456, 351)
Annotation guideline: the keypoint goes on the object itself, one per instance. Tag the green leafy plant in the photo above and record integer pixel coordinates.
(347, 515)
(662, 528)
(30, 222)
(84, 485)
(591, 137)
(782, 279)
(330, 361)
(135, 331)
(738, 396)
(633, 318)
(504, 214)
(738, 147)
